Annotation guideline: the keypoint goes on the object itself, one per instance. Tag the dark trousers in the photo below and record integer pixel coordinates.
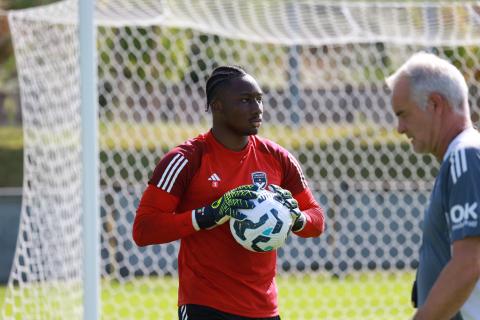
(197, 312)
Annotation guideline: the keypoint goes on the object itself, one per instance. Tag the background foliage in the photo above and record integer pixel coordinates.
(11, 142)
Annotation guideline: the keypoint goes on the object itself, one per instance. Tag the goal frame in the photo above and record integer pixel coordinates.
(90, 175)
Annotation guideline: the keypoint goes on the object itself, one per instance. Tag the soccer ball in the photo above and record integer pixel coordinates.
(266, 227)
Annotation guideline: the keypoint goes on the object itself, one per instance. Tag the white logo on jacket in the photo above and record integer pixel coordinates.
(464, 215)
(215, 179)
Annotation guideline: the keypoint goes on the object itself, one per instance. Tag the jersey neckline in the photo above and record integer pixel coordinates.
(211, 139)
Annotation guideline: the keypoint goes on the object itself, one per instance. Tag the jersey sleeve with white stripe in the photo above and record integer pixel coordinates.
(463, 193)
(157, 220)
(174, 171)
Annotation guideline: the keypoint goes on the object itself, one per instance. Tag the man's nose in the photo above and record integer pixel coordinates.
(257, 106)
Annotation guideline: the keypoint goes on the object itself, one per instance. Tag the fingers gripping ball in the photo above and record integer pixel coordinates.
(225, 207)
(265, 227)
(239, 198)
(286, 198)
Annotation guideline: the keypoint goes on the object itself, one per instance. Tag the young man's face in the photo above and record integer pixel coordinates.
(416, 123)
(241, 106)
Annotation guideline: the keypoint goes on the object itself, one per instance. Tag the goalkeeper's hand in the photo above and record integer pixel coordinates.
(225, 207)
(285, 197)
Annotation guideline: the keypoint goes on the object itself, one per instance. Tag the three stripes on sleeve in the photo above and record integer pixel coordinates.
(171, 172)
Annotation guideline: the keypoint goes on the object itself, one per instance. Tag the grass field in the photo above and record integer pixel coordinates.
(361, 296)
(377, 296)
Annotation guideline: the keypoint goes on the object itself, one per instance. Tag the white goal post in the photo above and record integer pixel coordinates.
(90, 163)
(322, 66)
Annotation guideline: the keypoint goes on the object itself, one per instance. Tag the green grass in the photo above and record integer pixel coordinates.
(376, 295)
(361, 296)
(3, 290)
(11, 137)
(11, 156)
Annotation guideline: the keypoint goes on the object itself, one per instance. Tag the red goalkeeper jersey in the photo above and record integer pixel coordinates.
(214, 270)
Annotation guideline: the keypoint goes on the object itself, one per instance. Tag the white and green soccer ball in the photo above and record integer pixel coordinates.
(266, 227)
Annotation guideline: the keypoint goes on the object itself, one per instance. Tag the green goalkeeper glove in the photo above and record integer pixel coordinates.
(225, 207)
(285, 197)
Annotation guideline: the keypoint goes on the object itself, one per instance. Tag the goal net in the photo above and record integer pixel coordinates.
(322, 67)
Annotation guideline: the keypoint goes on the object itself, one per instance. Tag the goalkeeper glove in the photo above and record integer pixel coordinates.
(285, 197)
(225, 207)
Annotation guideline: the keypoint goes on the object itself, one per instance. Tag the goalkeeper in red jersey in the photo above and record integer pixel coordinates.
(198, 185)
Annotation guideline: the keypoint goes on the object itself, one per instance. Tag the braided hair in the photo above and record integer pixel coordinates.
(219, 77)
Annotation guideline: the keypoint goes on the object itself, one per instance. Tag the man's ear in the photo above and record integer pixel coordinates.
(216, 105)
(437, 102)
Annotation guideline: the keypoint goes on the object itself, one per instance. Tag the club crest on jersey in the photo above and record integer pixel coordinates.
(215, 179)
(259, 179)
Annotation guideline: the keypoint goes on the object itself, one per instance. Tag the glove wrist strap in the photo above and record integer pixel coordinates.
(202, 219)
(299, 223)
(194, 221)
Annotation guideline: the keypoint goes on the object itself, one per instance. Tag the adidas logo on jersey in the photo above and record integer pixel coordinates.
(215, 179)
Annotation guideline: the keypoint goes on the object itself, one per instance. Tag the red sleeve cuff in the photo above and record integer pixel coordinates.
(315, 219)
